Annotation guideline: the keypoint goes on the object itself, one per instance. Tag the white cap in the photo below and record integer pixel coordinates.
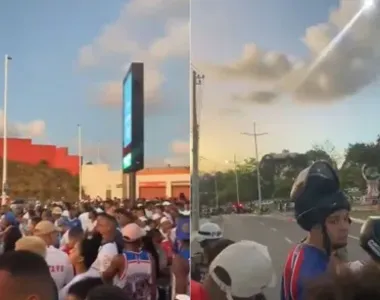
(143, 219)
(249, 266)
(209, 231)
(182, 297)
(156, 216)
(166, 203)
(165, 219)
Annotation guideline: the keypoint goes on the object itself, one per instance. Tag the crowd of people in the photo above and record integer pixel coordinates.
(95, 250)
(317, 268)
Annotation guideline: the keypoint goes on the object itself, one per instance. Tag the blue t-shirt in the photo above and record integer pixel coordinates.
(303, 263)
(71, 223)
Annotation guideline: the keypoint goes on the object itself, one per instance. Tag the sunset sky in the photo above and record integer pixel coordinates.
(69, 60)
(253, 56)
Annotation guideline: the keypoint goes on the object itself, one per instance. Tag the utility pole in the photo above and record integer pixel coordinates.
(197, 79)
(216, 192)
(237, 181)
(4, 188)
(255, 134)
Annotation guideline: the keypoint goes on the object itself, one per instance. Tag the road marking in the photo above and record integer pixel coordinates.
(273, 229)
(353, 237)
(288, 240)
(261, 223)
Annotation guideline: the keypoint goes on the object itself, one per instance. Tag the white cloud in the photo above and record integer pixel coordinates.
(175, 43)
(32, 129)
(180, 150)
(180, 147)
(352, 64)
(110, 92)
(122, 41)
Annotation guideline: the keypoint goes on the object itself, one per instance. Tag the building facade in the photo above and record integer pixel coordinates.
(24, 151)
(99, 181)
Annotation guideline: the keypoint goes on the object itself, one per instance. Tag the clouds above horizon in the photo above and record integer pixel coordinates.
(129, 38)
(353, 64)
(31, 129)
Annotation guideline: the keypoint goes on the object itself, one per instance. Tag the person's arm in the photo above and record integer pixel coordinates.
(153, 277)
(113, 269)
(181, 275)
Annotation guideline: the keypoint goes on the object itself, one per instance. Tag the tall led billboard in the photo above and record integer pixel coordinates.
(133, 119)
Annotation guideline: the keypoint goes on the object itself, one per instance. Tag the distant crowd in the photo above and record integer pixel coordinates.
(95, 249)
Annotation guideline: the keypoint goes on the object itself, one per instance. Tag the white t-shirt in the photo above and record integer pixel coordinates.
(64, 239)
(60, 266)
(105, 255)
(64, 291)
(85, 220)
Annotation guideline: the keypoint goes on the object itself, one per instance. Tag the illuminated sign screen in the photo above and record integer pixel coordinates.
(133, 119)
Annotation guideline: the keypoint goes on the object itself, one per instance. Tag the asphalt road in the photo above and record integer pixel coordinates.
(279, 233)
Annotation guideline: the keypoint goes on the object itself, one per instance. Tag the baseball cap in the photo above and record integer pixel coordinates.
(166, 203)
(156, 216)
(57, 211)
(45, 227)
(33, 244)
(132, 232)
(249, 266)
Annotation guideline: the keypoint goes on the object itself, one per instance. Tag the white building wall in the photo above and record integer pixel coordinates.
(97, 179)
(167, 178)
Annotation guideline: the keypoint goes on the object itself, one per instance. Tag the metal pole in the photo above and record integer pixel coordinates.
(80, 160)
(257, 165)
(196, 79)
(7, 58)
(237, 181)
(216, 192)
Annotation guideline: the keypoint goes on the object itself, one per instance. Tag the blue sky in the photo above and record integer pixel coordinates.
(51, 78)
(348, 110)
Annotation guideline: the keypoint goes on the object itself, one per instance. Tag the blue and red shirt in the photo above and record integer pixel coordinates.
(303, 263)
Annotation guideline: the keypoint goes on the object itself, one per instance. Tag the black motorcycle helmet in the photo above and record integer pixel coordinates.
(369, 238)
(316, 194)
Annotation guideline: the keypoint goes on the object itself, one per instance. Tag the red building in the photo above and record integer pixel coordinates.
(22, 150)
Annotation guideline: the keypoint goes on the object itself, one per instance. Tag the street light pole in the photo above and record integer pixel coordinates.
(255, 134)
(7, 58)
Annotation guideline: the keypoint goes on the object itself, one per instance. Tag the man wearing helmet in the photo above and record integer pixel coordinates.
(208, 234)
(322, 210)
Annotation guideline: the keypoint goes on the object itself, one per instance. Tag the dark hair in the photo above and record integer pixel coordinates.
(125, 213)
(81, 288)
(89, 249)
(75, 232)
(216, 248)
(148, 246)
(31, 273)
(10, 238)
(36, 219)
(108, 217)
(106, 292)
